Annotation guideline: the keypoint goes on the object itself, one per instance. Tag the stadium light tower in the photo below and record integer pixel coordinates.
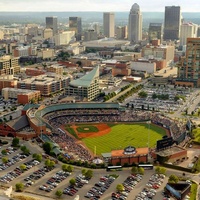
(148, 122)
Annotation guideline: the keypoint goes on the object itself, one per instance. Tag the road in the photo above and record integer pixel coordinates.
(190, 103)
(125, 91)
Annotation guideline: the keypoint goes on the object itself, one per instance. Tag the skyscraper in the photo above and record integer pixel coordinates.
(172, 22)
(155, 31)
(52, 22)
(188, 30)
(109, 24)
(75, 24)
(135, 24)
(188, 68)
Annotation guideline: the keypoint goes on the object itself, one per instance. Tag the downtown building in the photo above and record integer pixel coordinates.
(75, 24)
(9, 65)
(52, 23)
(135, 24)
(188, 30)
(86, 87)
(47, 85)
(109, 24)
(189, 66)
(155, 32)
(172, 22)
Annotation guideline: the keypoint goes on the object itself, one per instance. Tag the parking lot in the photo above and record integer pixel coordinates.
(40, 180)
(161, 98)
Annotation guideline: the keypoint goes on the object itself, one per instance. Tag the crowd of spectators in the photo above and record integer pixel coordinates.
(68, 142)
(70, 145)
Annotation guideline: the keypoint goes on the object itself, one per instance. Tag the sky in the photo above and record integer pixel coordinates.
(96, 5)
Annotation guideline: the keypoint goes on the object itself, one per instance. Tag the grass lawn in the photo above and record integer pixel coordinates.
(123, 135)
(193, 191)
(71, 131)
(86, 129)
(196, 133)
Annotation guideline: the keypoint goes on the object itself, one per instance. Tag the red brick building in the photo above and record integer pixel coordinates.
(34, 72)
(139, 155)
(121, 69)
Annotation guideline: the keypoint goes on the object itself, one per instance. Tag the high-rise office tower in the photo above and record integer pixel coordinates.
(52, 22)
(109, 24)
(188, 30)
(96, 27)
(198, 31)
(90, 34)
(75, 24)
(121, 32)
(172, 22)
(155, 31)
(189, 68)
(135, 24)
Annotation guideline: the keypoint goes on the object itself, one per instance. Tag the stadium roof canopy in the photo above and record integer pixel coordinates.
(18, 123)
(87, 79)
(58, 107)
(28, 106)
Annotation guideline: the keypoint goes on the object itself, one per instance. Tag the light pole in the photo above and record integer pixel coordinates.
(149, 122)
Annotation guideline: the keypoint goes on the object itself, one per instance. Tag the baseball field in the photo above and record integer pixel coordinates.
(102, 138)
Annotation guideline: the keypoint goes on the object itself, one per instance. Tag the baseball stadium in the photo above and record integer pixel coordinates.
(83, 131)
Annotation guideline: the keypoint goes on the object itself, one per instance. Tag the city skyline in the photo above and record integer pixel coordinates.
(94, 5)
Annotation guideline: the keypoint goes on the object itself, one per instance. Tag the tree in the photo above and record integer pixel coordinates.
(47, 162)
(47, 146)
(154, 96)
(162, 170)
(140, 170)
(176, 98)
(157, 170)
(89, 174)
(83, 171)
(134, 170)
(22, 167)
(4, 152)
(143, 94)
(19, 187)
(64, 167)
(4, 159)
(72, 181)
(173, 179)
(15, 142)
(52, 164)
(120, 188)
(79, 63)
(58, 193)
(37, 157)
(25, 150)
(70, 168)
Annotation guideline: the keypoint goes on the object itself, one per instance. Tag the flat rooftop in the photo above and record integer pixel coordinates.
(120, 153)
(172, 150)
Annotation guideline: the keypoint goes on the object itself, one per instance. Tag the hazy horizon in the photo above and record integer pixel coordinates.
(121, 18)
(94, 5)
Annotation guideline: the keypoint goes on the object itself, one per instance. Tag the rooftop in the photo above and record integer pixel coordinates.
(87, 79)
(170, 151)
(19, 123)
(42, 80)
(120, 153)
(20, 91)
(105, 42)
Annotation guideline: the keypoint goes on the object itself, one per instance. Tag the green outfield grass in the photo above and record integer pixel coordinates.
(123, 135)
